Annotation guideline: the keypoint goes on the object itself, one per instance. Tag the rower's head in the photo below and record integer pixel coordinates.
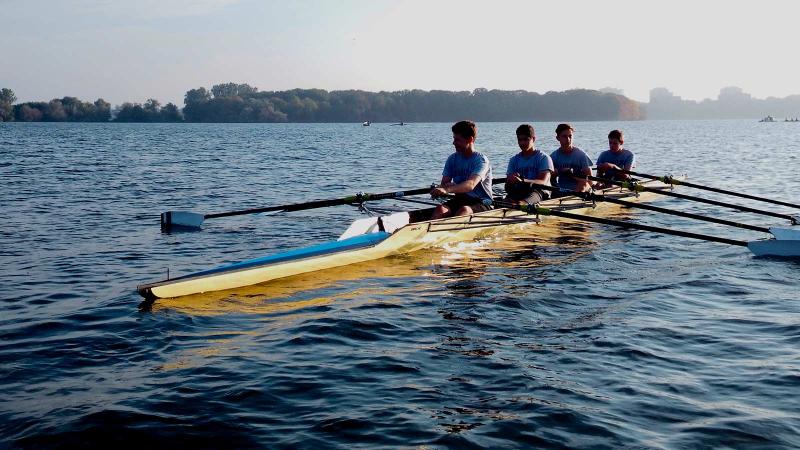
(615, 140)
(564, 135)
(526, 136)
(464, 134)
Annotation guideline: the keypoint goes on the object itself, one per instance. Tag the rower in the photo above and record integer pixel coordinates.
(467, 174)
(572, 165)
(527, 169)
(616, 158)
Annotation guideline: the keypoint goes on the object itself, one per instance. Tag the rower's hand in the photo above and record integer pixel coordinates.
(438, 192)
(516, 178)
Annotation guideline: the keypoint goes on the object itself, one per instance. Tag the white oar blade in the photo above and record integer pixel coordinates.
(785, 234)
(775, 247)
(184, 219)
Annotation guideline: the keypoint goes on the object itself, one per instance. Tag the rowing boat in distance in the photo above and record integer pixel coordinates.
(379, 237)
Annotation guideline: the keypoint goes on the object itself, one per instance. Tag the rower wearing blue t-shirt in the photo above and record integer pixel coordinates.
(527, 169)
(467, 174)
(616, 158)
(571, 163)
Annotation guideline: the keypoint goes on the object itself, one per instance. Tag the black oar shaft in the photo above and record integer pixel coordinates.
(358, 198)
(670, 180)
(629, 225)
(678, 213)
(605, 198)
(638, 187)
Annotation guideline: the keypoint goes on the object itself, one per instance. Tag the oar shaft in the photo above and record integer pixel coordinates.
(638, 187)
(670, 180)
(333, 202)
(604, 198)
(629, 225)
(678, 213)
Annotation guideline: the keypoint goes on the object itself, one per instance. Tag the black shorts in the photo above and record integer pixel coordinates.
(527, 193)
(459, 200)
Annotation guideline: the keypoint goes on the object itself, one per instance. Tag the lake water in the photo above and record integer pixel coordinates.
(593, 337)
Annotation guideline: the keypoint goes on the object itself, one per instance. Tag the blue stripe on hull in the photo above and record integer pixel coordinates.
(352, 243)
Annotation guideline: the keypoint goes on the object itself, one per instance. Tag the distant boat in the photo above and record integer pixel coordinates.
(767, 119)
(401, 124)
(365, 124)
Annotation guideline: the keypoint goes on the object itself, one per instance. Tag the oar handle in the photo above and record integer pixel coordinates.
(532, 209)
(669, 180)
(640, 188)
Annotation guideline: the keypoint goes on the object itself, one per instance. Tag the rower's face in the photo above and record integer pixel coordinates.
(614, 144)
(525, 142)
(565, 139)
(461, 143)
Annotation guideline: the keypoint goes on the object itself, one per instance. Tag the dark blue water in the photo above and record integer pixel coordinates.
(589, 337)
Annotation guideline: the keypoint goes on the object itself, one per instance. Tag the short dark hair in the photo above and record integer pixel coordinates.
(563, 127)
(526, 130)
(616, 134)
(465, 129)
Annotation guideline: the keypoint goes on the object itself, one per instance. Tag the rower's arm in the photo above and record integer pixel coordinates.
(543, 178)
(465, 186)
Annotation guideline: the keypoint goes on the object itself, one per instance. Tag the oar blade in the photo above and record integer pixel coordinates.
(786, 234)
(181, 219)
(775, 247)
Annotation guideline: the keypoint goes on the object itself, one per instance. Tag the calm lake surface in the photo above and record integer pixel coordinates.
(591, 337)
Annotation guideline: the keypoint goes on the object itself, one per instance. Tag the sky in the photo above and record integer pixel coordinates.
(132, 50)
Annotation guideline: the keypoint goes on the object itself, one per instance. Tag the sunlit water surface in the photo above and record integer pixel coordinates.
(583, 337)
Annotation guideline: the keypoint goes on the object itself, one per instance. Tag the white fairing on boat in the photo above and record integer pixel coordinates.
(775, 247)
(370, 225)
(788, 234)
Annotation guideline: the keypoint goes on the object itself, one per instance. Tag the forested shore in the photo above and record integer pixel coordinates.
(231, 102)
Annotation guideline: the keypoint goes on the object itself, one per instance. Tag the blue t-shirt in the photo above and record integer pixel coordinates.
(529, 167)
(576, 159)
(459, 168)
(621, 159)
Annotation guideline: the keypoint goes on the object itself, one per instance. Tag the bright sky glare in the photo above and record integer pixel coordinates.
(131, 50)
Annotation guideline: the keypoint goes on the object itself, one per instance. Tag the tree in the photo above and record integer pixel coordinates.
(152, 107)
(171, 113)
(7, 99)
(196, 96)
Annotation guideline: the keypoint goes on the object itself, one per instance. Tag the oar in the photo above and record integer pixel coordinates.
(669, 180)
(189, 219)
(766, 247)
(533, 209)
(604, 198)
(640, 188)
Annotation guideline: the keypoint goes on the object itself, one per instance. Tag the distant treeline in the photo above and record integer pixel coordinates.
(231, 102)
(732, 103)
(242, 103)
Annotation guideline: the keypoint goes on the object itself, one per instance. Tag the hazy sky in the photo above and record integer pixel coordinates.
(130, 50)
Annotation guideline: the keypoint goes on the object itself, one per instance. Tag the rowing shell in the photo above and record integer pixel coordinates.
(362, 242)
